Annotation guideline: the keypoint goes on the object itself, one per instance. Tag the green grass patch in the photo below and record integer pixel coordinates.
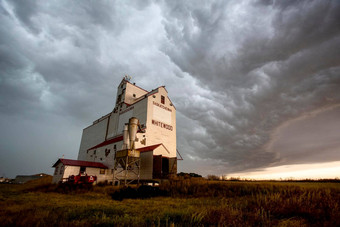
(185, 203)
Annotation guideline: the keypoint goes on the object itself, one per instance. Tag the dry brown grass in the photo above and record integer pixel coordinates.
(188, 203)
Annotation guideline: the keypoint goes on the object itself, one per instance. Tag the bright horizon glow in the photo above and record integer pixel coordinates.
(328, 170)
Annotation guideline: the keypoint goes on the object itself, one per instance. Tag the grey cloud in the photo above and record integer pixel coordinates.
(309, 139)
(235, 70)
(25, 10)
(60, 65)
(270, 64)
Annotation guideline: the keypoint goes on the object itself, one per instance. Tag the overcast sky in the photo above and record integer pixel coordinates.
(256, 84)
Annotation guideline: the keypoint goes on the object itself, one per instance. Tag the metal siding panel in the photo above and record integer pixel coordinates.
(172, 166)
(146, 165)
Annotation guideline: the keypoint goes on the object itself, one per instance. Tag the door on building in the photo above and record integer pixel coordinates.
(165, 167)
(157, 167)
(82, 170)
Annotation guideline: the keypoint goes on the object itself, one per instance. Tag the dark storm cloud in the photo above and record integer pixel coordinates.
(50, 55)
(309, 138)
(262, 63)
(235, 70)
(60, 64)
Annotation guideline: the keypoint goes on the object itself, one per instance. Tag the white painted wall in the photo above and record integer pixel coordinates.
(71, 170)
(113, 124)
(57, 176)
(123, 119)
(156, 134)
(130, 90)
(75, 170)
(107, 176)
(100, 155)
(92, 136)
(65, 173)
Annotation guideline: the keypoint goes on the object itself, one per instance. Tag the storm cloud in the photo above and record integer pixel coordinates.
(235, 70)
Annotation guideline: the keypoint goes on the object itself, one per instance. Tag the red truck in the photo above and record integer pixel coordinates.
(81, 179)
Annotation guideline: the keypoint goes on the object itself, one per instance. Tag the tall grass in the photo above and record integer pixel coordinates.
(187, 203)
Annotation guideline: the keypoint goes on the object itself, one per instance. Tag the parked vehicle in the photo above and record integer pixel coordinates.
(81, 179)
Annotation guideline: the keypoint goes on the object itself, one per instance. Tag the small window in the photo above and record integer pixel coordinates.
(115, 147)
(82, 169)
(94, 152)
(162, 99)
(121, 86)
(123, 91)
(134, 95)
(101, 159)
(121, 105)
(102, 171)
(119, 98)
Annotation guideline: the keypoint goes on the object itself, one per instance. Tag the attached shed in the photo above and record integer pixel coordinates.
(67, 167)
(156, 163)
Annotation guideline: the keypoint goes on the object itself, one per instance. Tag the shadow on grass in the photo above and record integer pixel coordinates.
(142, 192)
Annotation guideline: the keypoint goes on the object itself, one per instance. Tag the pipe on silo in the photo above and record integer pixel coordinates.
(133, 127)
(126, 137)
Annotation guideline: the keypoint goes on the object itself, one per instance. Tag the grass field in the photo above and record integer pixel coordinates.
(184, 203)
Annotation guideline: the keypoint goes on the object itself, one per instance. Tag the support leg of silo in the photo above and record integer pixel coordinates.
(138, 163)
(126, 170)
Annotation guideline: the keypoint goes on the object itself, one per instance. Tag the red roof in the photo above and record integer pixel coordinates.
(107, 142)
(149, 148)
(70, 162)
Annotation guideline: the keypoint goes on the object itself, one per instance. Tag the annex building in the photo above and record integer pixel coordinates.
(100, 141)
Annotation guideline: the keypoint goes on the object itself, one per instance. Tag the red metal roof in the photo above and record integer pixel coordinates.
(107, 142)
(70, 162)
(149, 148)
